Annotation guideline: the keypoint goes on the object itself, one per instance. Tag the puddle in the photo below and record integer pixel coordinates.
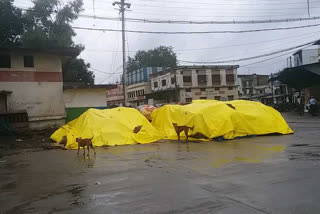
(244, 152)
(213, 154)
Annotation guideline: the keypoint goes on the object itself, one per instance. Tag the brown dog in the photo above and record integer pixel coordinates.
(179, 129)
(64, 140)
(83, 143)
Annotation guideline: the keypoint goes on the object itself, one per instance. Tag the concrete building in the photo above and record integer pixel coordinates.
(136, 93)
(115, 96)
(280, 93)
(304, 76)
(139, 85)
(186, 83)
(141, 75)
(254, 87)
(31, 86)
(79, 97)
(306, 56)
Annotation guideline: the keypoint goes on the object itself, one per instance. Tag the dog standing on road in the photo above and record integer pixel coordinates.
(83, 143)
(179, 129)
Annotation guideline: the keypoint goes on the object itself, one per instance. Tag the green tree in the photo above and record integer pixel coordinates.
(76, 70)
(11, 24)
(161, 56)
(49, 24)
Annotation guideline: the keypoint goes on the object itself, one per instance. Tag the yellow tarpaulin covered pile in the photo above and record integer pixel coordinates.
(109, 127)
(207, 119)
(211, 119)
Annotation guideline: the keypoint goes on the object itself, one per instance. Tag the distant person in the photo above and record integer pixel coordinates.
(313, 106)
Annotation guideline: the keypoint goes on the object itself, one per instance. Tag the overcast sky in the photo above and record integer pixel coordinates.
(103, 49)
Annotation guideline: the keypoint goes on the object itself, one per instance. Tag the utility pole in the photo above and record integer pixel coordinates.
(122, 7)
(308, 8)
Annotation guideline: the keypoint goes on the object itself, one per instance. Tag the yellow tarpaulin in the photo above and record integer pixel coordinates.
(109, 127)
(211, 119)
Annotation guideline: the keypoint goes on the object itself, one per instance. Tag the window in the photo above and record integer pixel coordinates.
(155, 84)
(216, 89)
(203, 98)
(217, 97)
(142, 92)
(188, 89)
(28, 61)
(202, 89)
(173, 80)
(249, 83)
(5, 61)
(216, 79)
(230, 88)
(188, 100)
(187, 79)
(202, 79)
(230, 78)
(164, 82)
(230, 97)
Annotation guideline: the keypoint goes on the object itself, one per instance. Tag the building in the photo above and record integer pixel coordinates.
(280, 93)
(254, 87)
(186, 83)
(139, 86)
(79, 97)
(304, 77)
(31, 88)
(115, 96)
(306, 56)
(136, 93)
(141, 75)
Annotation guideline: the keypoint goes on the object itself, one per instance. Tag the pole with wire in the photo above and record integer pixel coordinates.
(122, 7)
(308, 8)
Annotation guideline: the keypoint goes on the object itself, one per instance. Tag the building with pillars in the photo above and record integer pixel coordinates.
(186, 83)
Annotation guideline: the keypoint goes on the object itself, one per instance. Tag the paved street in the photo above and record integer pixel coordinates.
(270, 174)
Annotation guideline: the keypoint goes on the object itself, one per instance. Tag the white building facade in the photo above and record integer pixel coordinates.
(31, 85)
(186, 83)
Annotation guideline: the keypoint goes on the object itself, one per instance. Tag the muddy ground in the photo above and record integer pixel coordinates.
(29, 141)
(270, 174)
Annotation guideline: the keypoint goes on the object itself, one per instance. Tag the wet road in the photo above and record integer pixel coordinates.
(271, 174)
